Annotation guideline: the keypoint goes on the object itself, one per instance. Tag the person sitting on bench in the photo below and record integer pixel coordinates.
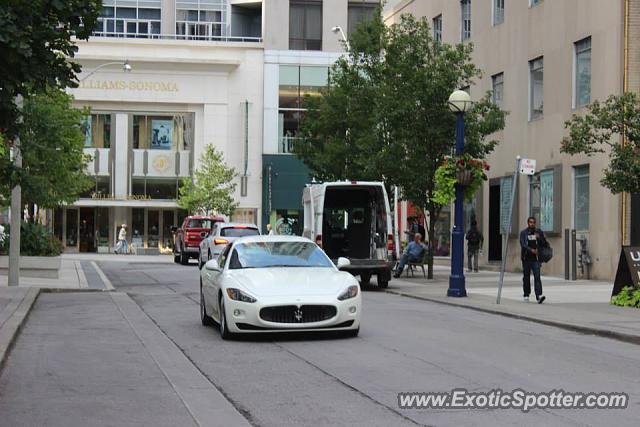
(413, 253)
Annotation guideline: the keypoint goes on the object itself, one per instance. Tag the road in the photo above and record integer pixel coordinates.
(404, 345)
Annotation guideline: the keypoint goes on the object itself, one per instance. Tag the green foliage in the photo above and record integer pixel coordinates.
(53, 160)
(211, 190)
(629, 296)
(385, 115)
(447, 178)
(35, 240)
(599, 130)
(36, 43)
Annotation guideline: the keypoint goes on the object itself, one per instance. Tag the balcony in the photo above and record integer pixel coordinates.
(100, 159)
(161, 163)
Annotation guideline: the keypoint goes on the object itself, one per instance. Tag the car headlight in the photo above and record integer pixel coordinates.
(238, 295)
(351, 292)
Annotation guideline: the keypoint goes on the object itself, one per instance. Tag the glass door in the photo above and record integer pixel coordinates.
(153, 230)
(71, 233)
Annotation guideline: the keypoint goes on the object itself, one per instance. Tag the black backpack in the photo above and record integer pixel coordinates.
(473, 237)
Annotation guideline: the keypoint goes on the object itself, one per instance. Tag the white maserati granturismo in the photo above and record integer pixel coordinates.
(276, 284)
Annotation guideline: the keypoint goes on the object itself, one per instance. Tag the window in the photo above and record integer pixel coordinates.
(129, 18)
(201, 19)
(582, 72)
(465, 8)
(155, 188)
(296, 82)
(174, 132)
(357, 13)
(534, 2)
(536, 70)
(581, 198)
(305, 25)
(97, 131)
(437, 28)
(497, 83)
(543, 198)
(498, 12)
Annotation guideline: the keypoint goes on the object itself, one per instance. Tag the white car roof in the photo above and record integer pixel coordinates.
(272, 238)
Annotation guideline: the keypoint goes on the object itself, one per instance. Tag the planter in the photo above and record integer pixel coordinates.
(464, 177)
(46, 267)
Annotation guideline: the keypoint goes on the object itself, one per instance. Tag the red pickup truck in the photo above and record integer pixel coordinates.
(186, 241)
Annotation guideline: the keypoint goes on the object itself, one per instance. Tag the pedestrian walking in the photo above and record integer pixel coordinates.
(122, 247)
(531, 240)
(413, 253)
(475, 239)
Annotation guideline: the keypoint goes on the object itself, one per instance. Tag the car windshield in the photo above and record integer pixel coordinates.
(199, 223)
(278, 254)
(238, 232)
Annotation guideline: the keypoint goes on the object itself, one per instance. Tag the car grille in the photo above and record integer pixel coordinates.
(293, 314)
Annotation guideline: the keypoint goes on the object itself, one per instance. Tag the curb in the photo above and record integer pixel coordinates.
(632, 339)
(12, 327)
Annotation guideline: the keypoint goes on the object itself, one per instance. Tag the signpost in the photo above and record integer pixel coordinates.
(525, 167)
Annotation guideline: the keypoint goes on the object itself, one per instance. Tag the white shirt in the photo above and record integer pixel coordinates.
(123, 234)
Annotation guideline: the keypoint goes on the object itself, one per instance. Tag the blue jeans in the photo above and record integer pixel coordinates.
(404, 259)
(529, 266)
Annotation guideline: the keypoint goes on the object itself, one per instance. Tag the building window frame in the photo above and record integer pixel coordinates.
(202, 25)
(305, 43)
(497, 87)
(436, 23)
(358, 12)
(581, 87)
(536, 98)
(533, 3)
(115, 19)
(498, 12)
(465, 20)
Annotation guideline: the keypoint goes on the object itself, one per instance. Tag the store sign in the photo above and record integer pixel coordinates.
(628, 273)
(132, 85)
(100, 196)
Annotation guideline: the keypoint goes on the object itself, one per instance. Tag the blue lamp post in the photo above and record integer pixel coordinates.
(459, 103)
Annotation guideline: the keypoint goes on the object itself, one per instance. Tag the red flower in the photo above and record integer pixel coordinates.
(486, 166)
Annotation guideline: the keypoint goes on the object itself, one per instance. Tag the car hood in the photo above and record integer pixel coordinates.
(294, 281)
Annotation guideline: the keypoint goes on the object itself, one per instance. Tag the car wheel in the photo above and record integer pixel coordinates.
(224, 330)
(352, 333)
(365, 278)
(184, 257)
(383, 283)
(204, 317)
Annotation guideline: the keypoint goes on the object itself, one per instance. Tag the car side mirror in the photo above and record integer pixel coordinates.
(212, 265)
(343, 262)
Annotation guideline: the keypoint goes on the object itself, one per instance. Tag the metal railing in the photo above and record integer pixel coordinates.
(204, 38)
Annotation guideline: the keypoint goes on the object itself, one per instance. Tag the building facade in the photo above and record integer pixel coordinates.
(545, 61)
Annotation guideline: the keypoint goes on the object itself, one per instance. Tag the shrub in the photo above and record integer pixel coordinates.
(629, 296)
(35, 240)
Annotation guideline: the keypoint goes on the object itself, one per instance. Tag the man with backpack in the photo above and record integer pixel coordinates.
(532, 240)
(474, 243)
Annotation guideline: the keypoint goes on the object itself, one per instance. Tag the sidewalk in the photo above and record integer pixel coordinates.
(581, 305)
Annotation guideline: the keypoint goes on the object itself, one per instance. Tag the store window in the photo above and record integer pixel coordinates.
(157, 132)
(137, 227)
(97, 131)
(129, 18)
(442, 233)
(305, 25)
(101, 186)
(541, 199)
(286, 222)
(201, 19)
(296, 82)
(581, 198)
(155, 188)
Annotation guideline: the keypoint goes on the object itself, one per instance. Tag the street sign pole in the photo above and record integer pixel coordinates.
(505, 239)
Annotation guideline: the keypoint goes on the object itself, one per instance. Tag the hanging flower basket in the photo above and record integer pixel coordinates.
(461, 170)
(464, 177)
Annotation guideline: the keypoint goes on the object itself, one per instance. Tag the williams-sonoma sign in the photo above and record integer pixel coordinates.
(137, 85)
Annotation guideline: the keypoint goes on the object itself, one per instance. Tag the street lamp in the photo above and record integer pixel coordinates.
(126, 67)
(459, 103)
(338, 29)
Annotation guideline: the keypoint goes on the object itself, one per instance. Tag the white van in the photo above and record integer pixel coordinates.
(351, 219)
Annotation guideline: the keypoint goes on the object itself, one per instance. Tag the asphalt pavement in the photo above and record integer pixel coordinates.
(98, 358)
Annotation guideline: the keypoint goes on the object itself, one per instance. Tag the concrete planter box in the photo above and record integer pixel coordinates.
(47, 267)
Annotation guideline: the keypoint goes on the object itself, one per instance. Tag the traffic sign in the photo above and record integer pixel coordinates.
(527, 166)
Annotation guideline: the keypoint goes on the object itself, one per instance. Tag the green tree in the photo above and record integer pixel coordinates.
(36, 43)
(384, 115)
(53, 160)
(599, 130)
(211, 189)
